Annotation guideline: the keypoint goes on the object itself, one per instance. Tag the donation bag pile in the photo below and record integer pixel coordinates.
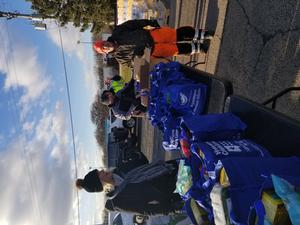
(172, 96)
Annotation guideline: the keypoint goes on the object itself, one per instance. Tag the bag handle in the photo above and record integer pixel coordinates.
(259, 211)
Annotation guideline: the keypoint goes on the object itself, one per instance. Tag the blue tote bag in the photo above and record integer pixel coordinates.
(186, 98)
(212, 152)
(213, 126)
(248, 176)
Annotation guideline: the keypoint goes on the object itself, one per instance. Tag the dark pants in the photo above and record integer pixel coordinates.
(187, 34)
(139, 108)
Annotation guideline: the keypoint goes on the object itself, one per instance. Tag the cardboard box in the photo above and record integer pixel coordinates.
(143, 66)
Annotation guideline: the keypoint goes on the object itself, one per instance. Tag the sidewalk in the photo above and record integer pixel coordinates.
(260, 51)
(203, 14)
(196, 13)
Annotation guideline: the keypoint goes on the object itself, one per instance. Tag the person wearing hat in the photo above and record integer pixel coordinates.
(144, 190)
(124, 103)
(91, 181)
(130, 38)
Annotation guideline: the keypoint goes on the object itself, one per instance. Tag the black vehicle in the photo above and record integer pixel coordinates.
(122, 147)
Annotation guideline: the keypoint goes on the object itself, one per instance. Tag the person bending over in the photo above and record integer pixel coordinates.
(130, 38)
(124, 103)
(116, 83)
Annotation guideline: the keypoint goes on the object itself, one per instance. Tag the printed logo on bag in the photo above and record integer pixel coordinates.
(224, 147)
(233, 148)
(183, 99)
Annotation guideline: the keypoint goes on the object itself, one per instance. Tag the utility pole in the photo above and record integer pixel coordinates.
(37, 20)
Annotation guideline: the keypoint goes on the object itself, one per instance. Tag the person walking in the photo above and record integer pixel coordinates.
(145, 190)
(130, 39)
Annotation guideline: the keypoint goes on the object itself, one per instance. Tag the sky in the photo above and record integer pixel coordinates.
(37, 169)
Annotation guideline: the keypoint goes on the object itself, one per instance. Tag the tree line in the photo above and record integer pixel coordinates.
(85, 14)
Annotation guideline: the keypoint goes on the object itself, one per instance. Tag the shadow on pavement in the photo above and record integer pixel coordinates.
(212, 15)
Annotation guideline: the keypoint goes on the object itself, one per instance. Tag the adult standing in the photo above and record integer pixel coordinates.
(145, 190)
(130, 38)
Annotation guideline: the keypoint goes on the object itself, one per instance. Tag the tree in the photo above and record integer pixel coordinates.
(99, 112)
(82, 13)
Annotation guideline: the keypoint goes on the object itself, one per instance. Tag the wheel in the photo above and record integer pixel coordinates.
(134, 156)
(129, 123)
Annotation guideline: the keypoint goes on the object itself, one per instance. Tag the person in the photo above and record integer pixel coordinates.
(124, 103)
(130, 38)
(91, 180)
(116, 83)
(146, 190)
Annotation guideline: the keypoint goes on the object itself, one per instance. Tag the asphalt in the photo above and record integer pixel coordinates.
(260, 53)
(256, 47)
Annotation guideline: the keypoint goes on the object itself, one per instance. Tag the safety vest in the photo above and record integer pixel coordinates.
(117, 85)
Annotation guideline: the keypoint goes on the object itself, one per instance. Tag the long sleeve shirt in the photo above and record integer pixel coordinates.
(131, 39)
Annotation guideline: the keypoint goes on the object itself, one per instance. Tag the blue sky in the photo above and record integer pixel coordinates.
(36, 156)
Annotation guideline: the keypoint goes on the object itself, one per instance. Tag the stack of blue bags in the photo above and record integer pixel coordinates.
(217, 141)
(212, 138)
(211, 143)
(172, 96)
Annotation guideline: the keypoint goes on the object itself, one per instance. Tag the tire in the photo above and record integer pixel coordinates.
(129, 123)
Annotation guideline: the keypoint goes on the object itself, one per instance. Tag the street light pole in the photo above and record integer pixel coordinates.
(11, 15)
(35, 18)
(84, 42)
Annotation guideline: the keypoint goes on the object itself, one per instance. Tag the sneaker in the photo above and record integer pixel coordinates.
(205, 47)
(209, 34)
(208, 37)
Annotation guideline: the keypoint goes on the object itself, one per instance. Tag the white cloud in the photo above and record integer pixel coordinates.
(39, 186)
(29, 74)
(28, 126)
(70, 36)
(40, 192)
(24, 75)
(19, 62)
(1, 138)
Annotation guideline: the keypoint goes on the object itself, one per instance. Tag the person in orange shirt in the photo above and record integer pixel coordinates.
(130, 38)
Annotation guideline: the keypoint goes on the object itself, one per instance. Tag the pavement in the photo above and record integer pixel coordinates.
(260, 53)
(256, 47)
